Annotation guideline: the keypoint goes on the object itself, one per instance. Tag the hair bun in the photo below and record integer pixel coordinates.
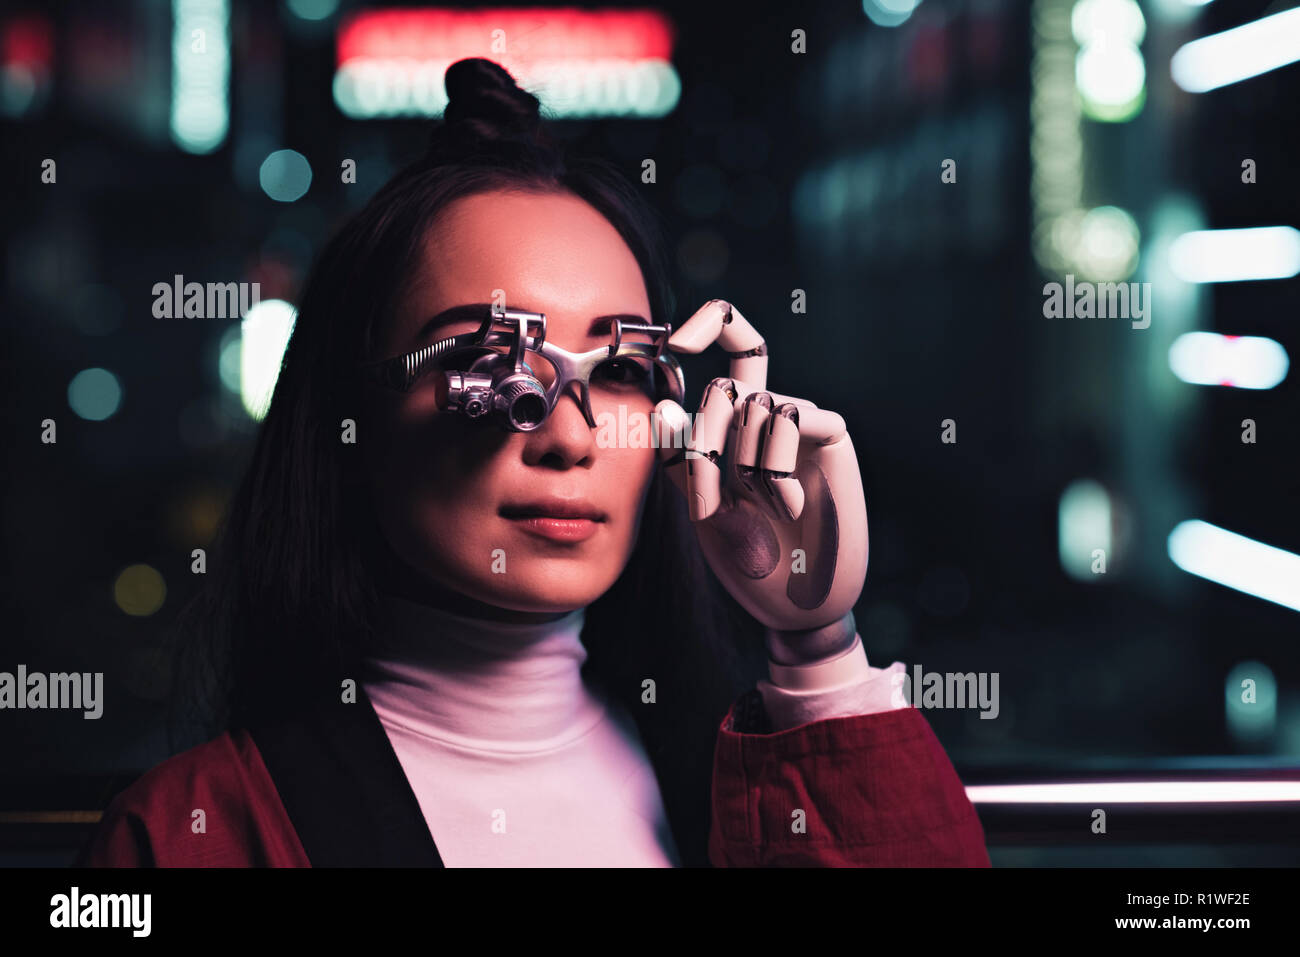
(485, 104)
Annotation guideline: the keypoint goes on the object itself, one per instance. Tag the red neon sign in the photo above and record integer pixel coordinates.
(517, 36)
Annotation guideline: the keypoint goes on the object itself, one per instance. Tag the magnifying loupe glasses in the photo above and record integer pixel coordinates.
(507, 373)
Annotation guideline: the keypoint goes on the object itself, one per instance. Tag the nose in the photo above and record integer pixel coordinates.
(565, 439)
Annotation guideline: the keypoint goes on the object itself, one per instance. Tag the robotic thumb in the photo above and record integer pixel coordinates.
(672, 436)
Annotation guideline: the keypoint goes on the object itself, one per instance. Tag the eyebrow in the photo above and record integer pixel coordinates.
(478, 311)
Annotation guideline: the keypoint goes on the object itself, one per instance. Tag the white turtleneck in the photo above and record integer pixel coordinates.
(515, 761)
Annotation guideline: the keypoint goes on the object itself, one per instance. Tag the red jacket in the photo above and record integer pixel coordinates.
(869, 790)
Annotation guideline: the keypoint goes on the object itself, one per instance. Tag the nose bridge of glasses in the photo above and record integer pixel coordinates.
(568, 373)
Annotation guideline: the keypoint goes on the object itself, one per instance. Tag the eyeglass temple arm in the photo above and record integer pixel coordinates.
(399, 372)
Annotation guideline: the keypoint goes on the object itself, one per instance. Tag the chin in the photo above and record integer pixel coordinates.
(540, 588)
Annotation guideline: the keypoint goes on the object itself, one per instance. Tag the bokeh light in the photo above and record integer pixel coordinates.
(1108, 244)
(200, 110)
(285, 176)
(1250, 701)
(1084, 525)
(889, 13)
(264, 334)
(312, 9)
(139, 590)
(94, 394)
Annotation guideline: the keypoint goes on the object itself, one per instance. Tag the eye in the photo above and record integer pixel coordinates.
(631, 372)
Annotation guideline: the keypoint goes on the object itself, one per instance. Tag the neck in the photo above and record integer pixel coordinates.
(485, 685)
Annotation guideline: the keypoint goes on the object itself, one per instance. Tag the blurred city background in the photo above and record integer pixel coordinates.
(1107, 532)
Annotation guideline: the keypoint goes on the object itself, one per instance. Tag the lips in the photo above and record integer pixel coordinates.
(553, 508)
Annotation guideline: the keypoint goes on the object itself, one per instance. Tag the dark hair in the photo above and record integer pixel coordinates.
(290, 604)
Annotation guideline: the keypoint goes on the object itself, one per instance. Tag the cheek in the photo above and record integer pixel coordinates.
(427, 477)
(632, 470)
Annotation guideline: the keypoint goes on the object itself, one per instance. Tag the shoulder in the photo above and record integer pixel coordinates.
(213, 805)
(199, 772)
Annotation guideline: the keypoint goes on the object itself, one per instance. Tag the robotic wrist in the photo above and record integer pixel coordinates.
(816, 644)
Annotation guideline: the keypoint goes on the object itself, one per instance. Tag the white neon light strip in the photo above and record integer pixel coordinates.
(1137, 792)
(1239, 53)
(374, 87)
(1236, 255)
(1236, 561)
(1241, 362)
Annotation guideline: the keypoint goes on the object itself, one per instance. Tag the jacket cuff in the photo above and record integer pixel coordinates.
(872, 692)
(868, 790)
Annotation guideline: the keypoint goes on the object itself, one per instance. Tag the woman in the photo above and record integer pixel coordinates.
(435, 638)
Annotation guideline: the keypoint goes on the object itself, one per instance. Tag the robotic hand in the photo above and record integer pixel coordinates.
(783, 520)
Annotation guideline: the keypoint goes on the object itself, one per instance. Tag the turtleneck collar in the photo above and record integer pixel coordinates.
(483, 685)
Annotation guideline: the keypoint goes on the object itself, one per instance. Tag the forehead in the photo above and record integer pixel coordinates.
(544, 252)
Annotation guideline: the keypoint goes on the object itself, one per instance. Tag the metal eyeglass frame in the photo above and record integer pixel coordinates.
(504, 385)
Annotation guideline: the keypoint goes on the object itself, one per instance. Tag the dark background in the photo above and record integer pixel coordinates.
(776, 171)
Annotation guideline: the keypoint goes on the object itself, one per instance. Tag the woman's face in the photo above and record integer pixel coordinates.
(447, 490)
